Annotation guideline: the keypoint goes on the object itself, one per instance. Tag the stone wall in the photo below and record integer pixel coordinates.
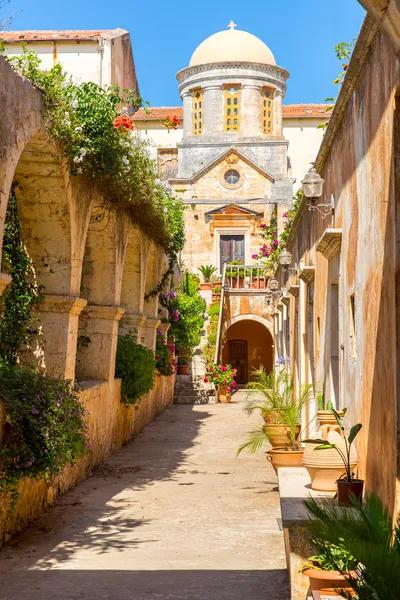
(95, 267)
(343, 310)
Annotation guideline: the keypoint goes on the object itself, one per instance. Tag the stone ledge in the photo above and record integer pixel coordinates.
(307, 274)
(330, 243)
(286, 299)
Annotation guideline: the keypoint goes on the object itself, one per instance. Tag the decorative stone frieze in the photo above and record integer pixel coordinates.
(307, 274)
(330, 243)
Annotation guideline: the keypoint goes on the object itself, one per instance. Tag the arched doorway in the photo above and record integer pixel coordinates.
(248, 344)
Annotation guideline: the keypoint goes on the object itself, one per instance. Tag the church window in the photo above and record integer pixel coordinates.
(267, 107)
(197, 114)
(232, 97)
(232, 176)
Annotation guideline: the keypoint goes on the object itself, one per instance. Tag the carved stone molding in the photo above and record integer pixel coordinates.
(286, 299)
(330, 243)
(294, 290)
(307, 274)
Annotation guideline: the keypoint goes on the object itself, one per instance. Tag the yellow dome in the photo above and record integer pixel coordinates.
(232, 45)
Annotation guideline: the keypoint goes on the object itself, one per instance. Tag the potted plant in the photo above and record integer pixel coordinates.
(282, 415)
(330, 570)
(326, 418)
(370, 534)
(347, 485)
(223, 377)
(183, 362)
(257, 278)
(207, 271)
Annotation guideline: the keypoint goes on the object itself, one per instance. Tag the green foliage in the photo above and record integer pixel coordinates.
(114, 161)
(135, 364)
(17, 325)
(330, 557)
(214, 309)
(348, 440)
(367, 533)
(45, 426)
(207, 271)
(256, 440)
(221, 375)
(165, 363)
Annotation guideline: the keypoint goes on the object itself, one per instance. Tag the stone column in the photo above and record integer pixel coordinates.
(278, 123)
(55, 351)
(251, 111)
(149, 332)
(132, 321)
(97, 360)
(187, 113)
(213, 110)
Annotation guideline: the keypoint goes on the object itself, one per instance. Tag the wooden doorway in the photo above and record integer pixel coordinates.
(237, 357)
(231, 249)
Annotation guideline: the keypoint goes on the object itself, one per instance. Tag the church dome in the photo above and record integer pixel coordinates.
(232, 45)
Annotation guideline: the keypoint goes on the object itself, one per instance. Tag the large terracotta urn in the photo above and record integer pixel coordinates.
(325, 467)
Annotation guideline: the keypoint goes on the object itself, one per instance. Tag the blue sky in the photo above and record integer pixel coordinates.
(301, 34)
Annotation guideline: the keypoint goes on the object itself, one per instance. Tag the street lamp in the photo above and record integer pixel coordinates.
(313, 186)
(285, 258)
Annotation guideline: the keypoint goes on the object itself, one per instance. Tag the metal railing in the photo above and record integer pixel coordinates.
(245, 277)
(220, 320)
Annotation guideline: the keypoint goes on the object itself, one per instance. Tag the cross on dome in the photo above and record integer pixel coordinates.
(232, 25)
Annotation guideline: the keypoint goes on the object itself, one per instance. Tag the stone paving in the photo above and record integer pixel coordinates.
(172, 516)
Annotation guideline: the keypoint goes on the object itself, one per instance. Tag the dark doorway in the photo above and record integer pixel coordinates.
(237, 357)
(231, 249)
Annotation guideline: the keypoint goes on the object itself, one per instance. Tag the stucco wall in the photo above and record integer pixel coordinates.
(359, 171)
(111, 425)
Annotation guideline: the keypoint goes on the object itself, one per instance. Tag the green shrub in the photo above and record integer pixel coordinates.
(45, 426)
(136, 365)
(214, 309)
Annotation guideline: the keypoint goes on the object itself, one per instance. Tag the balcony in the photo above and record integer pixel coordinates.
(245, 279)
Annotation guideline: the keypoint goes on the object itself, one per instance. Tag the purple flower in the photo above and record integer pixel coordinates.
(254, 256)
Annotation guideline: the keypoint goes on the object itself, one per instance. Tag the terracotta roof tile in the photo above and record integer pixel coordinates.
(289, 110)
(158, 112)
(51, 35)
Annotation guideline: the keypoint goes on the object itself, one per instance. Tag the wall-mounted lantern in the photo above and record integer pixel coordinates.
(313, 186)
(285, 258)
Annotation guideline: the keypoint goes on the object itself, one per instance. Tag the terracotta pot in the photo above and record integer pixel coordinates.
(281, 457)
(271, 417)
(327, 422)
(259, 284)
(206, 286)
(224, 396)
(326, 582)
(346, 488)
(183, 369)
(324, 466)
(278, 434)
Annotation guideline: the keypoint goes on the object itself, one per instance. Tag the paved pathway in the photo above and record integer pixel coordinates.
(172, 516)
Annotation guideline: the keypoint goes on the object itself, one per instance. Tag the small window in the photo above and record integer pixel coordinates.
(232, 176)
(267, 93)
(199, 104)
(232, 90)
(235, 111)
(235, 121)
(266, 106)
(229, 101)
(197, 124)
(228, 121)
(228, 112)
(231, 106)
(235, 101)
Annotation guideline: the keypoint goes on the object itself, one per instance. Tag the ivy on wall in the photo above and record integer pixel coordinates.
(17, 325)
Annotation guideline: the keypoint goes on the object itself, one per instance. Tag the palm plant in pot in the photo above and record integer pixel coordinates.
(207, 271)
(369, 534)
(347, 485)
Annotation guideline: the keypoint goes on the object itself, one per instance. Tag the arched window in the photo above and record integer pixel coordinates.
(231, 97)
(267, 108)
(197, 111)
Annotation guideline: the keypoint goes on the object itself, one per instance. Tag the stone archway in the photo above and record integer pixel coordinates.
(248, 344)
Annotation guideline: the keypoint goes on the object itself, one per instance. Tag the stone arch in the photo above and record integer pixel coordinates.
(133, 282)
(248, 344)
(249, 317)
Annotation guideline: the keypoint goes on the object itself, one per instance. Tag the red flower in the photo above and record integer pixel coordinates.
(123, 123)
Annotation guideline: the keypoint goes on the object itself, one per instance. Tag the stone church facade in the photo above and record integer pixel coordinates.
(229, 162)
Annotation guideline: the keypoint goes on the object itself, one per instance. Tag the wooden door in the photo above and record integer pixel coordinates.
(231, 248)
(237, 357)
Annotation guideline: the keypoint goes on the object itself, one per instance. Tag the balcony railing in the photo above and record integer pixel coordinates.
(245, 277)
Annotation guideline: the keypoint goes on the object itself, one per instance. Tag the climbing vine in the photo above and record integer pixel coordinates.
(95, 132)
(18, 326)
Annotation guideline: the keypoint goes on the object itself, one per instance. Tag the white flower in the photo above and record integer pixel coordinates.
(74, 103)
(79, 129)
(125, 160)
(78, 159)
(83, 152)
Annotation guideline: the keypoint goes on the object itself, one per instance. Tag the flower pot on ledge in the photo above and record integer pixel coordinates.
(223, 395)
(183, 369)
(327, 582)
(206, 286)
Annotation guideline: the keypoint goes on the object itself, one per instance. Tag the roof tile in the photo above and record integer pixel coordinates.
(52, 35)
